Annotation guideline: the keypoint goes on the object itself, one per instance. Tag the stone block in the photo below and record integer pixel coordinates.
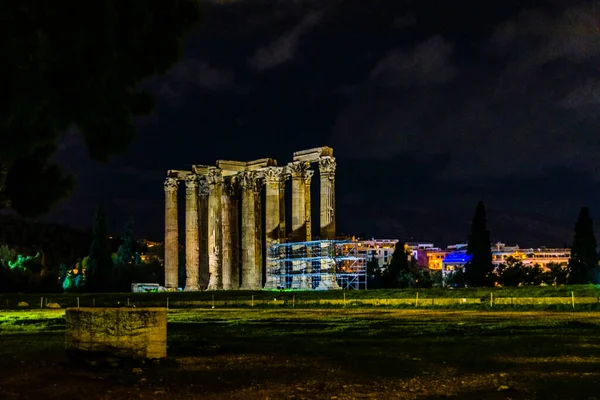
(54, 306)
(23, 304)
(132, 333)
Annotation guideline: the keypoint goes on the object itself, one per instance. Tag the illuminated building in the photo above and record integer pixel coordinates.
(541, 256)
(455, 260)
(380, 248)
(414, 247)
(431, 258)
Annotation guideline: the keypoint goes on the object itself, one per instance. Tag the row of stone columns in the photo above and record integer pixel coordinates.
(213, 243)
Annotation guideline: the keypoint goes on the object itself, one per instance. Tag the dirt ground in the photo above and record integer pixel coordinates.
(320, 354)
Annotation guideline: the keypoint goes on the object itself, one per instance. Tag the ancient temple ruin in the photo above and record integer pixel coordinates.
(218, 246)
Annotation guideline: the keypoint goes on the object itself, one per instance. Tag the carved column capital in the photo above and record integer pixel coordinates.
(171, 184)
(327, 165)
(214, 177)
(230, 185)
(273, 174)
(258, 185)
(192, 181)
(246, 180)
(298, 168)
(308, 176)
(203, 187)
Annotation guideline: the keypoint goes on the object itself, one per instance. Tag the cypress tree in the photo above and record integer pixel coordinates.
(125, 254)
(99, 271)
(584, 251)
(479, 269)
(398, 266)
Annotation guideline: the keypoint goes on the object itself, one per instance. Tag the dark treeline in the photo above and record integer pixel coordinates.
(479, 271)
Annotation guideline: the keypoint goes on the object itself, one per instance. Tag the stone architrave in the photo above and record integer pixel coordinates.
(247, 185)
(272, 221)
(171, 234)
(226, 231)
(297, 170)
(215, 182)
(259, 240)
(192, 265)
(327, 212)
(203, 191)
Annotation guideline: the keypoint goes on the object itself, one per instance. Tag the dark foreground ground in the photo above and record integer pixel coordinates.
(321, 354)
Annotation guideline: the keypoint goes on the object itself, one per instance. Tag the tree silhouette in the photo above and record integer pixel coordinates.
(73, 64)
(479, 269)
(584, 251)
(398, 267)
(99, 268)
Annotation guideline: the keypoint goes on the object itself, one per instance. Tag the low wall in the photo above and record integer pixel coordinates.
(138, 333)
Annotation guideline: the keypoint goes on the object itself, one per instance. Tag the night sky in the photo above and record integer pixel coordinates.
(429, 106)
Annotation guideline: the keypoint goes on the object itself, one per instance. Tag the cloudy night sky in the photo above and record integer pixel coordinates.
(429, 106)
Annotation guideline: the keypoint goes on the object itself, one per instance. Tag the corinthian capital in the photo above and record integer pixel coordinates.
(272, 174)
(171, 184)
(230, 185)
(203, 187)
(246, 180)
(327, 165)
(214, 176)
(192, 181)
(298, 168)
(308, 176)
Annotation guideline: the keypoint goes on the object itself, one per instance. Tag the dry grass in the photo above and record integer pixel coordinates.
(322, 354)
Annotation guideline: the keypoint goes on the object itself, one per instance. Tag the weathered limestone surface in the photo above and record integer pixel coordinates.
(171, 234)
(282, 227)
(215, 181)
(192, 262)
(226, 211)
(312, 155)
(247, 184)
(272, 216)
(307, 210)
(137, 333)
(203, 191)
(257, 276)
(297, 170)
(327, 207)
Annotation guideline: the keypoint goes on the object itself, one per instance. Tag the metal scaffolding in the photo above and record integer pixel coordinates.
(316, 265)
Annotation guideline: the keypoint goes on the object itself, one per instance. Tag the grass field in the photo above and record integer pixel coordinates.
(586, 298)
(321, 354)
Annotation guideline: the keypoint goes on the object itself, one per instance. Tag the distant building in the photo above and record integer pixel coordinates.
(414, 247)
(380, 248)
(455, 260)
(541, 256)
(431, 258)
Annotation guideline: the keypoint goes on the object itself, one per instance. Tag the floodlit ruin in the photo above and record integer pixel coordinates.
(226, 240)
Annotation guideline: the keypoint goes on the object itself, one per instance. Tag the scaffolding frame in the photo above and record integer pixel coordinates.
(316, 265)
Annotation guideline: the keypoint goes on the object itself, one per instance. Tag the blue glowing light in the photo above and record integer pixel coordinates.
(457, 258)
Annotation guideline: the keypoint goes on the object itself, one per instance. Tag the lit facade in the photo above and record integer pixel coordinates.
(431, 258)
(380, 248)
(541, 256)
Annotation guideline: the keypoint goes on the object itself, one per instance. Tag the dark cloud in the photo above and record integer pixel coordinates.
(430, 107)
(520, 104)
(284, 48)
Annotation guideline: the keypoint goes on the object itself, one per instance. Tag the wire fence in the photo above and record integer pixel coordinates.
(220, 300)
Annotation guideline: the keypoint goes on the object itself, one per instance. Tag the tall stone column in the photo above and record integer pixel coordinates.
(215, 182)
(327, 212)
(226, 232)
(297, 170)
(327, 221)
(272, 222)
(235, 235)
(171, 234)
(259, 238)
(192, 265)
(247, 185)
(282, 226)
(307, 210)
(203, 190)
